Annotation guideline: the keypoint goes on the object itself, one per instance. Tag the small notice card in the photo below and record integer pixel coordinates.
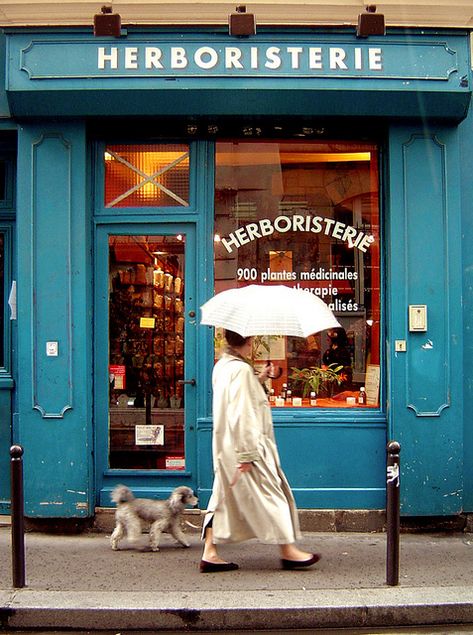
(149, 435)
(175, 463)
(147, 322)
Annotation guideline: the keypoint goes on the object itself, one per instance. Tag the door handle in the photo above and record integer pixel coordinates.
(192, 381)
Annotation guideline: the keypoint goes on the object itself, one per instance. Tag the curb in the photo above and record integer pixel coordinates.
(223, 611)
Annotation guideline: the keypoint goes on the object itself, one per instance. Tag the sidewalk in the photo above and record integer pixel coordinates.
(79, 582)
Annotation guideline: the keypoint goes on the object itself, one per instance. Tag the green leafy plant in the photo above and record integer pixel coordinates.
(317, 379)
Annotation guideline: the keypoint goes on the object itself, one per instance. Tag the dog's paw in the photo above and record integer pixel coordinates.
(153, 548)
(186, 544)
(114, 547)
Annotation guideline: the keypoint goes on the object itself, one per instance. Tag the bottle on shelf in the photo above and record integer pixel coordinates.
(289, 396)
(272, 396)
(362, 396)
(313, 399)
(284, 391)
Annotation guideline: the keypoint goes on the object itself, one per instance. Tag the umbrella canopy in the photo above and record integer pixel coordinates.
(268, 310)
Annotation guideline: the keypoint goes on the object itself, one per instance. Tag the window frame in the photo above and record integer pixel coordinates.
(327, 415)
(127, 211)
(7, 228)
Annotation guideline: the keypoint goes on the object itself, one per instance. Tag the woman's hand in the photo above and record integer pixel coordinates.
(241, 468)
(267, 371)
(270, 371)
(244, 467)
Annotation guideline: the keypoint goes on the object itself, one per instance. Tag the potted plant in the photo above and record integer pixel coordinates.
(317, 379)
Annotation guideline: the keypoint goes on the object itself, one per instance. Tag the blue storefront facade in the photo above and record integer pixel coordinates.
(92, 388)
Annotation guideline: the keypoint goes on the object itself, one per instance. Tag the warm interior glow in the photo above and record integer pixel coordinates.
(286, 158)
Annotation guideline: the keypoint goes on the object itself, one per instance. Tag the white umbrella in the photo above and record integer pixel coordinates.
(268, 310)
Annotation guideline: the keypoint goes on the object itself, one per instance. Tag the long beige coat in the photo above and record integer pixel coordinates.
(260, 503)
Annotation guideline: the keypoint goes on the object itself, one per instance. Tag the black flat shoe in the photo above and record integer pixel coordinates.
(212, 567)
(300, 564)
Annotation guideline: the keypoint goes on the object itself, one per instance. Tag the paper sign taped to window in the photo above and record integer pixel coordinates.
(372, 384)
(117, 374)
(149, 435)
(147, 322)
(175, 463)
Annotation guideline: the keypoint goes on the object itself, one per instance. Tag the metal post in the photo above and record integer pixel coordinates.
(393, 513)
(17, 516)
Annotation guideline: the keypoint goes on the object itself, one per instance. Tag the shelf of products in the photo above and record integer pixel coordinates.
(146, 357)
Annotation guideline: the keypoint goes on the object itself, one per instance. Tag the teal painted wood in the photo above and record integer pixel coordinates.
(329, 466)
(7, 383)
(428, 361)
(5, 444)
(4, 108)
(54, 403)
(196, 222)
(425, 389)
(70, 82)
(205, 273)
(466, 142)
(51, 295)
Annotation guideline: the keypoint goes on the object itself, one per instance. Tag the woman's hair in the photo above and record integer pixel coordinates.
(235, 339)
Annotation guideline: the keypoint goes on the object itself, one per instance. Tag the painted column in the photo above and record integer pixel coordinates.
(466, 140)
(424, 267)
(53, 422)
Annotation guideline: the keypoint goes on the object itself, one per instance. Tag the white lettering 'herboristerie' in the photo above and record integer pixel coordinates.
(298, 223)
(234, 58)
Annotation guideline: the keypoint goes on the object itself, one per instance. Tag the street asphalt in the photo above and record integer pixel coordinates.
(78, 582)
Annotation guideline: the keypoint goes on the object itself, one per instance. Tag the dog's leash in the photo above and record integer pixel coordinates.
(233, 482)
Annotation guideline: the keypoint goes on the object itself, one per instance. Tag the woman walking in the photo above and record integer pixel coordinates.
(251, 497)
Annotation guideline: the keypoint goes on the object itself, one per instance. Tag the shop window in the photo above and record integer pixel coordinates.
(149, 175)
(306, 214)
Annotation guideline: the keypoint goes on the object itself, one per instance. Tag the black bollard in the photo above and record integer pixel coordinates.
(17, 517)
(393, 513)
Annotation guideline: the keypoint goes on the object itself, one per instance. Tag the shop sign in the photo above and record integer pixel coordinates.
(48, 58)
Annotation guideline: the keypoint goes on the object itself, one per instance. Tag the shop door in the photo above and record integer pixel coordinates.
(145, 385)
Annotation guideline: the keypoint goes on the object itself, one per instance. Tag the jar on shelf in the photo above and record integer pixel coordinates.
(168, 281)
(158, 278)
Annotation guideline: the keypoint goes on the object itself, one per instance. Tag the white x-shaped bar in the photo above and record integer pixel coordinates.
(148, 178)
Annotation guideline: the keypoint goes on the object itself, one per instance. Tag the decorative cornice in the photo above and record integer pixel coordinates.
(56, 13)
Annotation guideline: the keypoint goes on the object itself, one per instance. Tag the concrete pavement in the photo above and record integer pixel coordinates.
(77, 581)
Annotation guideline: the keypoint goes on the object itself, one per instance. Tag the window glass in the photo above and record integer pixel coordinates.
(151, 175)
(2, 299)
(146, 366)
(306, 214)
(3, 180)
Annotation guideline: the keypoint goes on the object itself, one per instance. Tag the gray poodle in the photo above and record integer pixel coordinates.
(163, 515)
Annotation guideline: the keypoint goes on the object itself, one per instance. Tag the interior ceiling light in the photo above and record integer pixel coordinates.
(241, 23)
(370, 23)
(107, 23)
